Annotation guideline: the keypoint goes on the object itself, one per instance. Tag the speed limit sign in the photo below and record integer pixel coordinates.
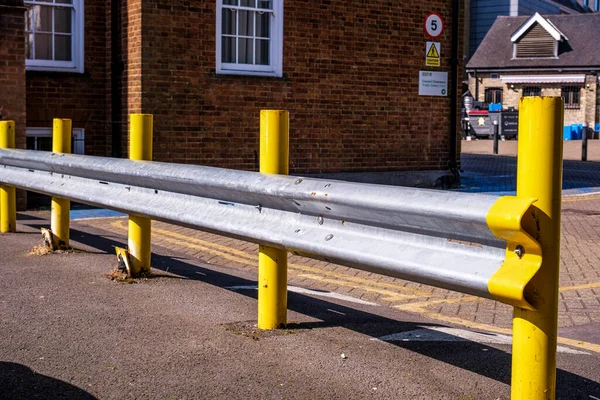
(434, 26)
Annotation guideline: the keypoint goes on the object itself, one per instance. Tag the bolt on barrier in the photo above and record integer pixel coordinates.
(502, 248)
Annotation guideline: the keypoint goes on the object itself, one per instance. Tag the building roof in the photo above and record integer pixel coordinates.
(579, 51)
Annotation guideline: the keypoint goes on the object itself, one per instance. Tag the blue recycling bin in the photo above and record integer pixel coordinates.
(567, 133)
(576, 131)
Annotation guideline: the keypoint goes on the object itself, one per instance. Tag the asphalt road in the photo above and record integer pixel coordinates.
(68, 332)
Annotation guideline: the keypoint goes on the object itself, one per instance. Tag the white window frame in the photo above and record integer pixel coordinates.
(77, 44)
(276, 49)
(78, 137)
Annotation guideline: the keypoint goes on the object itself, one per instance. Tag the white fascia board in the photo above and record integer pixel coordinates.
(556, 34)
(564, 78)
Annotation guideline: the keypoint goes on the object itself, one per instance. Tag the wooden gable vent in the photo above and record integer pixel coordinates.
(536, 43)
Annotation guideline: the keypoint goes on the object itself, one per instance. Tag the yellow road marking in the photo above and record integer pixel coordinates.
(578, 287)
(352, 281)
(590, 197)
(420, 308)
(390, 296)
(251, 259)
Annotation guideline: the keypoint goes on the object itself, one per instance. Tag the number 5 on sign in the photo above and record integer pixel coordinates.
(434, 25)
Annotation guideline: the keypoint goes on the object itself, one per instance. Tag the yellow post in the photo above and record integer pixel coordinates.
(139, 242)
(8, 197)
(539, 175)
(61, 208)
(272, 263)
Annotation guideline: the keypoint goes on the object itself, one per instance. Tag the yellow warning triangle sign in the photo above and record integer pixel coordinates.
(433, 52)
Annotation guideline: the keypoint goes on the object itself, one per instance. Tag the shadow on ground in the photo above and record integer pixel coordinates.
(483, 360)
(488, 173)
(20, 382)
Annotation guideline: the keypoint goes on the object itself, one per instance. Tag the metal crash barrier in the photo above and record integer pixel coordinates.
(502, 248)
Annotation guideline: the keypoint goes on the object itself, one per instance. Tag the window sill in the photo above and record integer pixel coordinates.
(41, 68)
(256, 74)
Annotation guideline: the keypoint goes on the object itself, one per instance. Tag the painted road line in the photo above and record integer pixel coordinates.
(446, 334)
(420, 308)
(580, 287)
(581, 197)
(300, 290)
(244, 258)
(389, 295)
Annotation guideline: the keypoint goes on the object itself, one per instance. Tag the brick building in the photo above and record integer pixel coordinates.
(552, 55)
(348, 72)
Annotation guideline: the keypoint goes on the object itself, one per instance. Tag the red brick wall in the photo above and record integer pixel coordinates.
(12, 68)
(351, 87)
(12, 74)
(81, 97)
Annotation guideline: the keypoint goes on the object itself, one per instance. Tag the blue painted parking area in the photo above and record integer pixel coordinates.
(492, 174)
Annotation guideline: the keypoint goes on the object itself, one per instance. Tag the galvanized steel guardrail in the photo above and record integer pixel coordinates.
(434, 237)
(484, 245)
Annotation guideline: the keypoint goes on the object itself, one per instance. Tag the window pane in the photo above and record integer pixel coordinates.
(228, 50)
(44, 143)
(263, 25)
(228, 22)
(62, 47)
(64, 1)
(29, 19)
(62, 20)
(42, 18)
(43, 46)
(246, 51)
(29, 46)
(230, 2)
(30, 140)
(246, 23)
(247, 3)
(266, 4)
(262, 52)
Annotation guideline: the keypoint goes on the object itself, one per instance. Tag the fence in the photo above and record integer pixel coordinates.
(504, 248)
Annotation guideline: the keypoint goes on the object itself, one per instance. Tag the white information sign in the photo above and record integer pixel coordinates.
(432, 83)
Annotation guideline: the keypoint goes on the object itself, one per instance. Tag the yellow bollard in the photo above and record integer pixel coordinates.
(61, 208)
(140, 228)
(539, 175)
(272, 263)
(8, 197)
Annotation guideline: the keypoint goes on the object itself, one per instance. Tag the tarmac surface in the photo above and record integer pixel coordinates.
(188, 331)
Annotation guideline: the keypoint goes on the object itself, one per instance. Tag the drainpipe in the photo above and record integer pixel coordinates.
(452, 162)
(116, 71)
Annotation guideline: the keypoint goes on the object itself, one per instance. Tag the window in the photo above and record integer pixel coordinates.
(41, 139)
(571, 95)
(493, 95)
(532, 91)
(249, 37)
(494, 77)
(54, 35)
